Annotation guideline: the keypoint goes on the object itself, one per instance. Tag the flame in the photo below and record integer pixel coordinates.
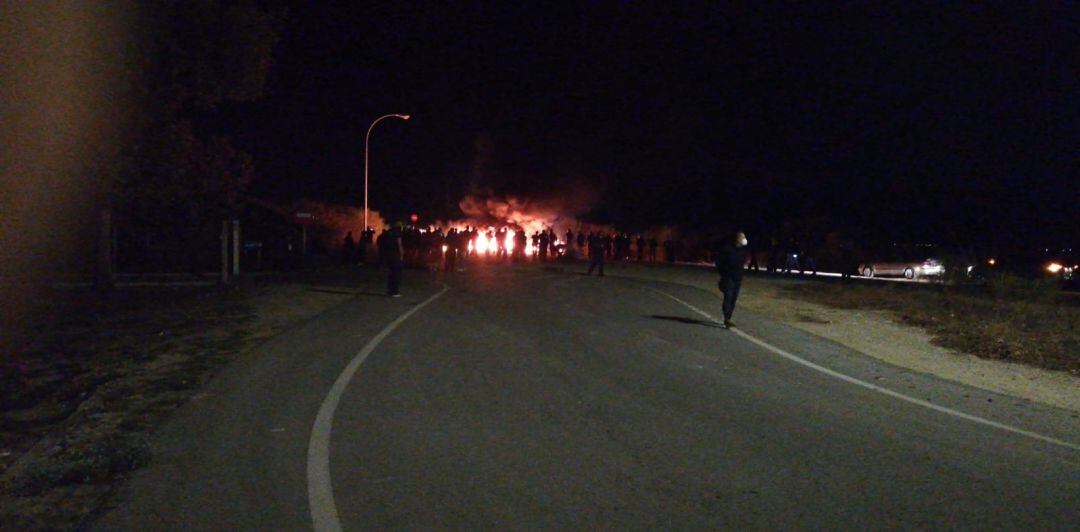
(482, 244)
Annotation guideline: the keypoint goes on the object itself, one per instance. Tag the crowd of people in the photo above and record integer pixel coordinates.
(449, 250)
(445, 249)
(438, 250)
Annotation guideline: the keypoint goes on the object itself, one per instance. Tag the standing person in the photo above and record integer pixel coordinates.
(652, 249)
(395, 259)
(545, 239)
(669, 250)
(520, 243)
(596, 253)
(450, 245)
(470, 241)
(500, 243)
(348, 251)
(640, 243)
(847, 260)
(729, 264)
(367, 245)
(461, 249)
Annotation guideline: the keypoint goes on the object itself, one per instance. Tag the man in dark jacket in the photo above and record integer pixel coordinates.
(729, 264)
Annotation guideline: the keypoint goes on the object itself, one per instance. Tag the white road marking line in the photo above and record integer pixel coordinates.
(874, 387)
(324, 513)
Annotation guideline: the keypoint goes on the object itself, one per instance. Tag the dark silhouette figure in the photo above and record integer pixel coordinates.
(545, 239)
(394, 253)
(669, 250)
(640, 243)
(367, 245)
(596, 253)
(348, 251)
(807, 262)
(847, 260)
(500, 244)
(652, 249)
(520, 242)
(730, 260)
(452, 242)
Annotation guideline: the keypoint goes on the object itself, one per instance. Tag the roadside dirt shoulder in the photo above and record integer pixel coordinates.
(880, 335)
(82, 399)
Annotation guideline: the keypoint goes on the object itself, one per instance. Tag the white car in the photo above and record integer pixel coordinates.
(905, 269)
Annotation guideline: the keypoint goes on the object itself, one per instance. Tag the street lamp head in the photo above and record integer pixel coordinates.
(403, 117)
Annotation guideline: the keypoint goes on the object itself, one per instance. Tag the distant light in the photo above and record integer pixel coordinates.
(1054, 267)
(414, 218)
(404, 117)
(991, 262)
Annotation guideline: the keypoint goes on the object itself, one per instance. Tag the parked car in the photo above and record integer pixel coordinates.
(906, 269)
(1063, 265)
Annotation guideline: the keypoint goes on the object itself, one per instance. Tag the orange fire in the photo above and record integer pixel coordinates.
(484, 245)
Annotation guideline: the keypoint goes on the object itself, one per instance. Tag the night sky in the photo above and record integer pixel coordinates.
(940, 122)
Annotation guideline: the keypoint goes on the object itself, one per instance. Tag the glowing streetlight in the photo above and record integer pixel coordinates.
(367, 140)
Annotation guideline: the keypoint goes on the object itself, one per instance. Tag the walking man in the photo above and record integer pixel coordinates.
(729, 264)
(395, 258)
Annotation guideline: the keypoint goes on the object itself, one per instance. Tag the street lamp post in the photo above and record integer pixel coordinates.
(367, 140)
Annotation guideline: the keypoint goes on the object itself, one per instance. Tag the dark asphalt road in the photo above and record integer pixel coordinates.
(529, 398)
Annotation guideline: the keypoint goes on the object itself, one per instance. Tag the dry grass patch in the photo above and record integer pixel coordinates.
(78, 401)
(1029, 323)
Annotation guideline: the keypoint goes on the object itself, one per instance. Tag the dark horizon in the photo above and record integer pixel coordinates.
(948, 124)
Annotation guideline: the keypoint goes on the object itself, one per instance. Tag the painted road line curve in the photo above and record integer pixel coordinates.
(871, 386)
(324, 515)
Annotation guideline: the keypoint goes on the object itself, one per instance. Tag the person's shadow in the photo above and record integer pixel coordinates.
(689, 321)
